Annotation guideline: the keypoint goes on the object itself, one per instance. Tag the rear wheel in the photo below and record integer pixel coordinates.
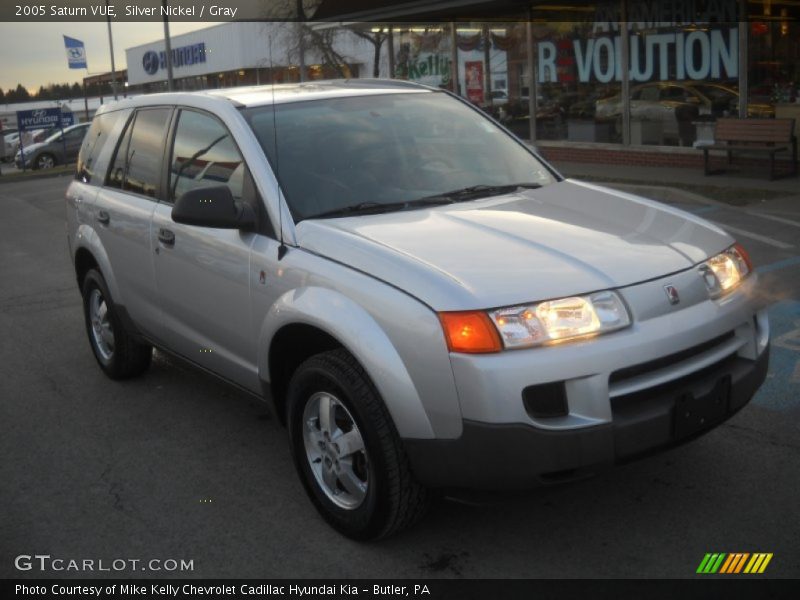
(347, 452)
(117, 352)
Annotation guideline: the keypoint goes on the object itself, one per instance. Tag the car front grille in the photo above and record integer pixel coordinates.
(676, 366)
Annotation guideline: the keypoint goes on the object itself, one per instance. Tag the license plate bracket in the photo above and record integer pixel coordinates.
(695, 413)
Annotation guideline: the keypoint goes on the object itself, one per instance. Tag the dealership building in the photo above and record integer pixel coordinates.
(245, 53)
(643, 81)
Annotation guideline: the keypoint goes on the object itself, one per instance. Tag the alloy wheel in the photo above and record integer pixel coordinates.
(102, 331)
(335, 451)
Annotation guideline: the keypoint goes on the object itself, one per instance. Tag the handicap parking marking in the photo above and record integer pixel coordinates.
(755, 236)
(792, 261)
(779, 392)
(789, 340)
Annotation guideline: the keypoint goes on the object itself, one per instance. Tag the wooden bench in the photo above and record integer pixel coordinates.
(754, 135)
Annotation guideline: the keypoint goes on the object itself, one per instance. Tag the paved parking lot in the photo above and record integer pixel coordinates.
(176, 465)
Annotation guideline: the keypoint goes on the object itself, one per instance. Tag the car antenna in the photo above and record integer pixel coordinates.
(282, 247)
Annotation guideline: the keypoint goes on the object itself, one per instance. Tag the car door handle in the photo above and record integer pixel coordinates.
(166, 237)
(103, 217)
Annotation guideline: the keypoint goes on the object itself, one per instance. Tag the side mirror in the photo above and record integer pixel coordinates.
(213, 206)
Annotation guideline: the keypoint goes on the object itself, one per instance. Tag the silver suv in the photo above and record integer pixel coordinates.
(423, 300)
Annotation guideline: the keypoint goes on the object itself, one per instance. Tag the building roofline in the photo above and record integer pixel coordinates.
(180, 35)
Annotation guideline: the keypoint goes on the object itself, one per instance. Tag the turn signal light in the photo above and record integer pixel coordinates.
(472, 332)
(745, 257)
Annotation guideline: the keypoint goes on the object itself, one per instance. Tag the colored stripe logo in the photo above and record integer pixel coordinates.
(734, 563)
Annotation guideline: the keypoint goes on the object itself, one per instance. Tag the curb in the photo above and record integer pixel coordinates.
(17, 177)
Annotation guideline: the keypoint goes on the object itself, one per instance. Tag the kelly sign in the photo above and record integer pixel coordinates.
(43, 118)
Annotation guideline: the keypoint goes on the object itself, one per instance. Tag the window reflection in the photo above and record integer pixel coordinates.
(204, 154)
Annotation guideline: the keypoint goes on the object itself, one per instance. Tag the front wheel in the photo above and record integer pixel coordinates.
(117, 352)
(347, 451)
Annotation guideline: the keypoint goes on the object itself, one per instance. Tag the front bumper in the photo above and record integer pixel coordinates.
(516, 456)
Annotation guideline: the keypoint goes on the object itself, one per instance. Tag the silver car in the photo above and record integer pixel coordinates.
(425, 303)
(59, 148)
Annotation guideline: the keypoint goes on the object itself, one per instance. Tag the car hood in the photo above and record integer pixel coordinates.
(564, 239)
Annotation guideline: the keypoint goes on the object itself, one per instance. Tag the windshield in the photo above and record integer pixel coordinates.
(55, 137)
(389, 150)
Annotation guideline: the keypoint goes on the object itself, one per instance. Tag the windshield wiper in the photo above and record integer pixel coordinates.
(460, 195)
(480, 191)
(380, 207)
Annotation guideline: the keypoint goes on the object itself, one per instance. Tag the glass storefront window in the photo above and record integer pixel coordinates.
(577, 70)
(422, 53)
(774, 59)
(683, 62)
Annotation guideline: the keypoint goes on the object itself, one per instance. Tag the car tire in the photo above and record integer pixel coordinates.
(354, 469)
(117, 352)
(44, 161)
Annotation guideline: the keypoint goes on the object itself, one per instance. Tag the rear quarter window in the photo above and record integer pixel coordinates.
(96, 139)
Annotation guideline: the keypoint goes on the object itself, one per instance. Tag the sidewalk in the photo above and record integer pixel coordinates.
(752, 179)
(734, 188)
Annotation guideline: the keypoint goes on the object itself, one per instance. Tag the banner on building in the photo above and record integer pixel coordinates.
(474, 74)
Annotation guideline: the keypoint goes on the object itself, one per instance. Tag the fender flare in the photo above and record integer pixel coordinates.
(353, 327)
(86, 238)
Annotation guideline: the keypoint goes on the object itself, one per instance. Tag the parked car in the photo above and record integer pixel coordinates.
(12, 140)
(10, 145)
(498, 98)
(57, 149)
(666, 101)
(724, 100)
(423, 301)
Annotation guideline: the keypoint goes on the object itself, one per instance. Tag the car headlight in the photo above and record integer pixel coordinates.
(561, 319)
(723, 272)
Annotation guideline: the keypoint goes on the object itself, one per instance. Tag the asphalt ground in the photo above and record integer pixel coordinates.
(175, 465)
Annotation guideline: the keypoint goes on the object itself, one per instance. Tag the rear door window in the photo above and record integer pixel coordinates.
(137, 164)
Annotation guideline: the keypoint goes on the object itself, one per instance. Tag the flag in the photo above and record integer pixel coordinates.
(76, 53)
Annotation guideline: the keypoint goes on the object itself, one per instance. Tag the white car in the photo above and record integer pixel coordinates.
(10, 145)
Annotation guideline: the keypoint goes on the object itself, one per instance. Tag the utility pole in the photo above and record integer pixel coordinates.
(111, 48)
(744, 82)
(391, 51)
(168, 48)
(625, 44)
(454, 70)
(301, 39)
(532, 75)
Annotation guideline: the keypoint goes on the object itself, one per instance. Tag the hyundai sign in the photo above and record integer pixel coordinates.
(183, 56)
(43, 118)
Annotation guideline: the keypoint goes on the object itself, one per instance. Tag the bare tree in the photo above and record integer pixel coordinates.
(376, 37)
(322, 42)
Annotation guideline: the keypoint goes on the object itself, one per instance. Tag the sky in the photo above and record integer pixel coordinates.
(33, 53)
